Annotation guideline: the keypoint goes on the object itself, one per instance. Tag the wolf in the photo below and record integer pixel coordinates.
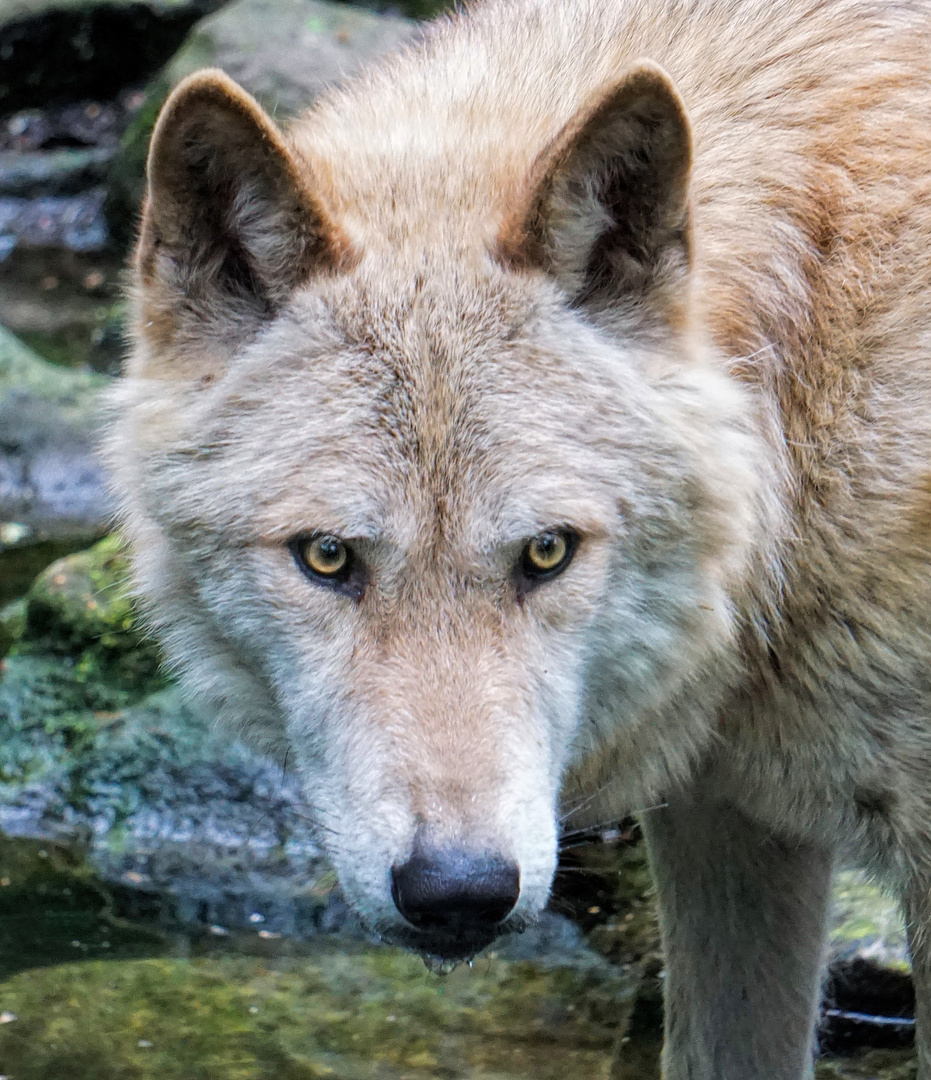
(543, 421)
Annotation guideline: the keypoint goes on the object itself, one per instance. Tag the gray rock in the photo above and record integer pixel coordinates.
(284, 52)
(53, 172)
(73, 222)
(50, 482)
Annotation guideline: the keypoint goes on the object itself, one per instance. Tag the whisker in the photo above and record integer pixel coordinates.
(574, 847)
(318, 825)
(611, 823)
(590, 831)
(592, 870)
(587, 801)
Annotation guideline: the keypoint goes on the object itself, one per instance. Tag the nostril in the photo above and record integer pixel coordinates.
(454, 891)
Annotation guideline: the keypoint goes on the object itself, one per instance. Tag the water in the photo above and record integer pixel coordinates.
(98, 983)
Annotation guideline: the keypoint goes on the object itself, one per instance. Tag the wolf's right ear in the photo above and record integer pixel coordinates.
(606, 206)
(229, 225)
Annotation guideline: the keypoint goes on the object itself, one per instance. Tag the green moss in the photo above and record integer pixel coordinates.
(79, 608)
(873, 1065)
(22, 370)
(92, 342)
(866, 918)
(350, 1013)
(48, 722)
(12, 622)
(78, 662)
(126, 178)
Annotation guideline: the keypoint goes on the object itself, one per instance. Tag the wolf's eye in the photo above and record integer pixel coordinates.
(548, 554)
(326, 556)
(329, 561)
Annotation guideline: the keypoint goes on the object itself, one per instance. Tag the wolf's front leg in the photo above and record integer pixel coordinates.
(742, 916)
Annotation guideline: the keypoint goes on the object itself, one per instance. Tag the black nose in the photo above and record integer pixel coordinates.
(455, 892)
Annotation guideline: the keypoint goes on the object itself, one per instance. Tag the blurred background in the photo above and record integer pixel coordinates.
(164, 909)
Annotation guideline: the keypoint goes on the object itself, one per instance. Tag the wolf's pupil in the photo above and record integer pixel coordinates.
(325, 555)
(546, 554)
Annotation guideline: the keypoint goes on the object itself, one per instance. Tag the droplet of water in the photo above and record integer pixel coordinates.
(439, 966)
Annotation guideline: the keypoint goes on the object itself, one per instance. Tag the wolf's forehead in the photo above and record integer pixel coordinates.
(431, 369)
(400, 425)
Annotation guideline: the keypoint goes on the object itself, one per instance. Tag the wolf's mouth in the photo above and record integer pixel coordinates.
(438, 948)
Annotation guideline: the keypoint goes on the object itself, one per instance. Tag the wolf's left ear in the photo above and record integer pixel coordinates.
(229, 226)
(607, 209)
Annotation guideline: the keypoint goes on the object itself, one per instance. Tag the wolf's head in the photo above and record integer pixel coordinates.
(428, 481)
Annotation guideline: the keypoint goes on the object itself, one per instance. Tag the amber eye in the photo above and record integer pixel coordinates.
(326, 556)
(548, 554)
(330, 562)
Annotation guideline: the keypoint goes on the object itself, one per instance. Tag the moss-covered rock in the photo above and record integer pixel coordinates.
(93, 739)
(79, 608)
(12, 623)
(340, 1012)
(872, 1065)
(77, 657)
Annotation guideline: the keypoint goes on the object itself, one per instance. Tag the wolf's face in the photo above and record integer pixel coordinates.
(438, 530)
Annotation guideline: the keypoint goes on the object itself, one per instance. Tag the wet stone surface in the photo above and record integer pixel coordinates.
(337, 1010)
(51, 484)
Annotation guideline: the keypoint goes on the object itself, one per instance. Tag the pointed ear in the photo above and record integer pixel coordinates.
(607, 210)
(230, 226)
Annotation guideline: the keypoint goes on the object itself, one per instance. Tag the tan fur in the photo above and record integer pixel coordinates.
(502, 284)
